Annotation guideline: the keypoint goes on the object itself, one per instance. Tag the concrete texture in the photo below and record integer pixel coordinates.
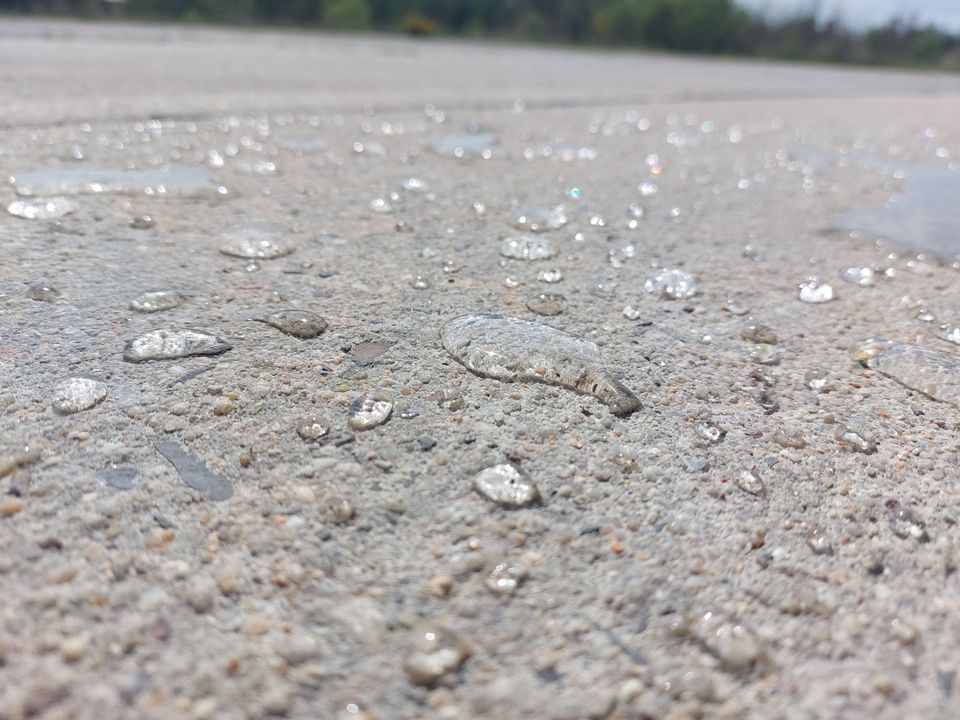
(772, 535)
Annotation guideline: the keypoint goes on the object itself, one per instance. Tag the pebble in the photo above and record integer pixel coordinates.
(814, 290)
(856, 435)
(931, 373)
(368, 411)
(507, 485)
(511, 349)
(528, 248)
(200, 593)
(436, 652)
(547, 304)
(760, 334)
(343, 510)
(671, 283)
(194, 473)
(43, 293)
(169, 344)
(301, 324)
(255, 242)
(142, 222)
(75, 394)
(52, 208)
(540, 219)
(157, 301)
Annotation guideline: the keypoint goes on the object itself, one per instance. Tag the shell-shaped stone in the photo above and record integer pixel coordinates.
(507, 486)
(168, 344)
(75, 394)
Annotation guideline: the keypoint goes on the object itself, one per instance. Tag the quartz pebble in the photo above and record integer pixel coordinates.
(301, 324)
(510, 349)
(157, 301)
(170, 344)
(75, 394)
(368, 411)
(507, 485)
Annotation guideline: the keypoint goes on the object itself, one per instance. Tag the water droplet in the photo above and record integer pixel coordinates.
(42, 208)
(540, 219)
(547, 304)
(142, 222)
(381, 205)
(76, 181)
(505, 579)
(814, 290)
(818, 541)
(647, 189)
(507, 485)
(170, 344)
(527, 248)
(737, 648)
(862, 276)
(260, 241)
(818, 380)
(421, 283)
(43, 293)
(550, 276)
(460, 146)
(511, 349)
(758, 333)
(437, 651)
(301, 324)
(671, 284)
(157, 301)
(312, 428)
(907, 524)
(750, 482)
(710, 432)
(75, 394)
(856, 435)
(414, 185)
(368, 411)
(258, 167)
(926, 371)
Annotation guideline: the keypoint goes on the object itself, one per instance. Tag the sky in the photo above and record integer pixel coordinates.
(859, 14)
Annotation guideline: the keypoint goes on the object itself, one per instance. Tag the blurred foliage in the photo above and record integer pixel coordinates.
(706, 26)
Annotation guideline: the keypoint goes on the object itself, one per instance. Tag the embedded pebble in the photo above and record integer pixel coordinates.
(170, 344)
(75, 394)
(527, 248)
(301, 324)
(814, 290)
(507, 485)
(43, 293)
(540, 219)
(255, 242)
(157, 301)
(931, 373)
(548, 304)
(760, 334)
(510, 349)
(194, 473)
(436, 652)
(368, 411)
(671, 284)
(42, 208)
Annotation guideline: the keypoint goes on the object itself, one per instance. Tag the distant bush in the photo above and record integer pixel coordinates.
(347, 15)
(417, 24)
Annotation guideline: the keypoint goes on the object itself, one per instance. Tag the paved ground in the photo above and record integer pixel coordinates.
(772, 535)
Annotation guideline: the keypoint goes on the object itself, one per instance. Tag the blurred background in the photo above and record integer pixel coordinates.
(921, 33)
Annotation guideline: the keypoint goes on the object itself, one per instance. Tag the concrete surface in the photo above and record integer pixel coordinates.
(753, 542)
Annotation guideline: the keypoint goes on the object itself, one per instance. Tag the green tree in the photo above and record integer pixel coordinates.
(347, 15)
